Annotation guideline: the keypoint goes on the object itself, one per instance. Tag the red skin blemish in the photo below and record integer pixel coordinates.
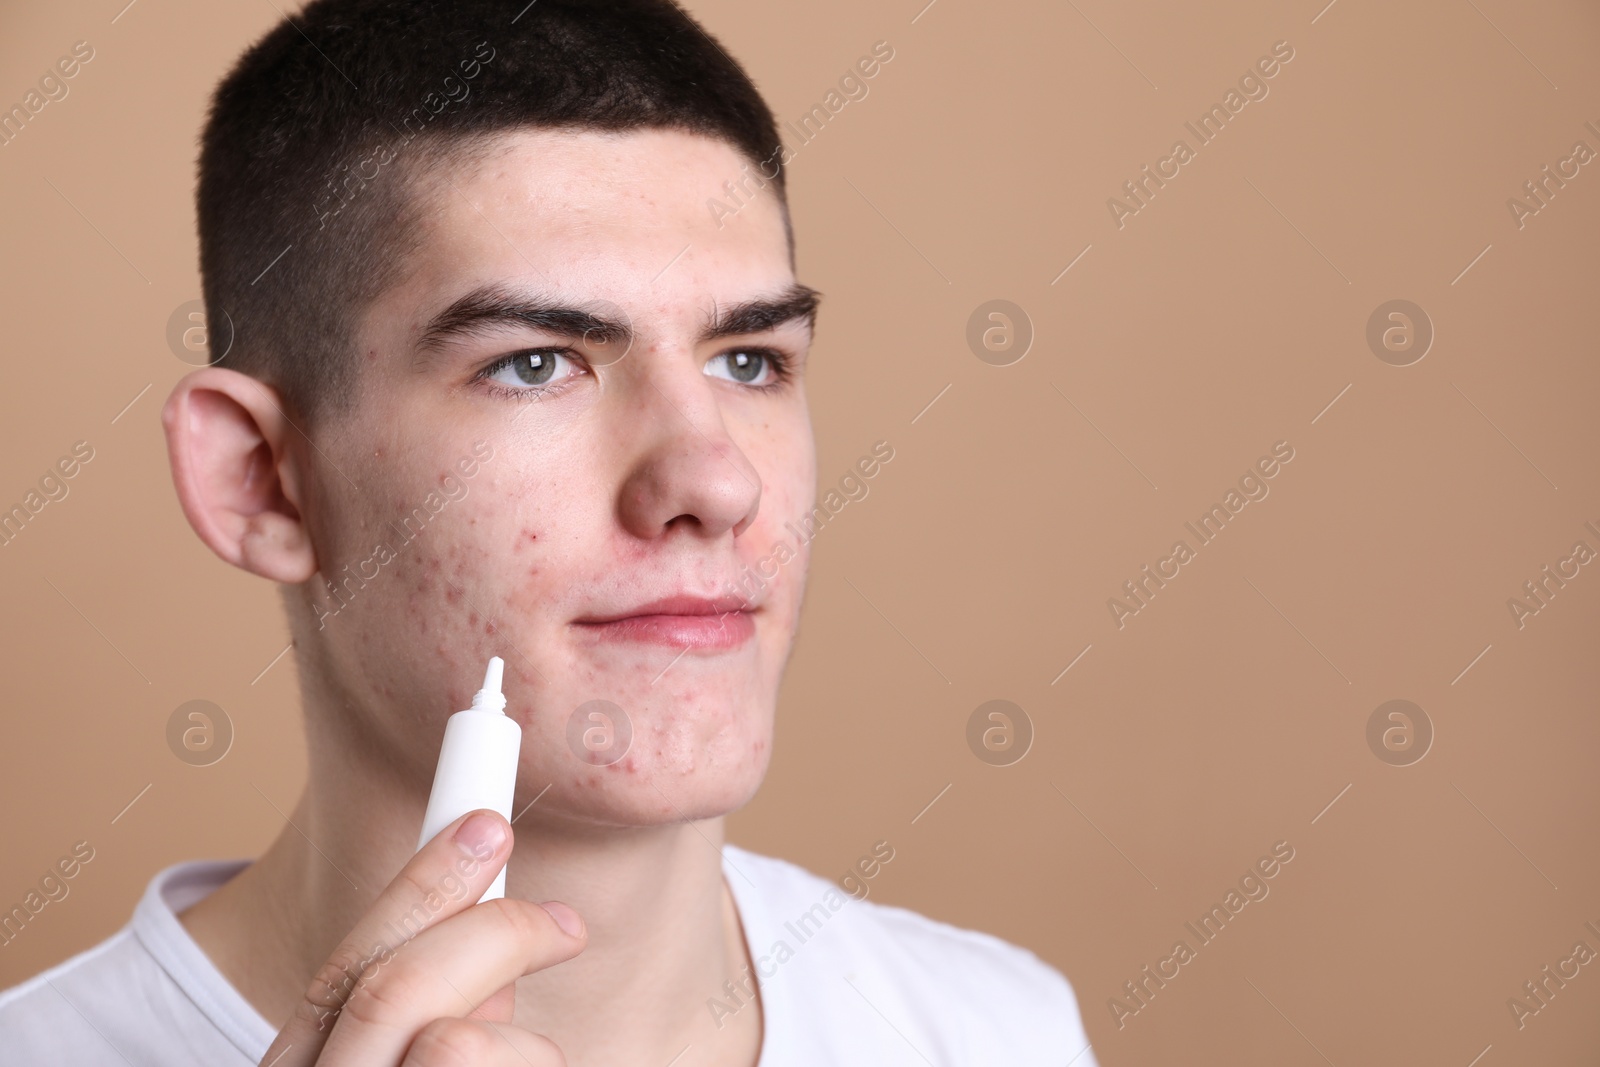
(452, 595)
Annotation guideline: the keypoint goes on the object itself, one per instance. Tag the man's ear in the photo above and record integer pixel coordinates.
(238, 482)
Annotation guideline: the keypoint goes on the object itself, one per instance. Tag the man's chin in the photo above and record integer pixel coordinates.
(636, 793)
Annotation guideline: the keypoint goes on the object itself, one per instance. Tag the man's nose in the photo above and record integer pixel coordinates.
(685, 470)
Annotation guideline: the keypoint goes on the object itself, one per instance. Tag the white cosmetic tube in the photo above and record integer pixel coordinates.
(477, 765)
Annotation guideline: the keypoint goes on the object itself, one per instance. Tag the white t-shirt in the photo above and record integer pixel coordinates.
(841, 981)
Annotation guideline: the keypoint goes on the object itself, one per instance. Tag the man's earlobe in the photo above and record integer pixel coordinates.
(238, 483)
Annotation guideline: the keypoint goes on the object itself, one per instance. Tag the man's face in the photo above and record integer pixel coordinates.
(518, 481)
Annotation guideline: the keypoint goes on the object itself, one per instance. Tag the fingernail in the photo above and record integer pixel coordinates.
(565, 917)
(481, 834)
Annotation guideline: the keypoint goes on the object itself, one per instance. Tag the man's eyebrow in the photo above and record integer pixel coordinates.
(797, 303)
(489, 306)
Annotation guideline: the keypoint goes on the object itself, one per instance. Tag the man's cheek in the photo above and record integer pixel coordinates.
(789, 586)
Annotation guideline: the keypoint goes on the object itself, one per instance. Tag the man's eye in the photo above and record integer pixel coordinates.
(743, 366)
(533, 368)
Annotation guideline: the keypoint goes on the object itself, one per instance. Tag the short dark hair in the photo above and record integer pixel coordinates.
(321, 140)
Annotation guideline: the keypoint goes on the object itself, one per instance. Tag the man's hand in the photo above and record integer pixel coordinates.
(427, 977)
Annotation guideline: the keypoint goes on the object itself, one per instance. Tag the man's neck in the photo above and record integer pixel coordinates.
(663, 932)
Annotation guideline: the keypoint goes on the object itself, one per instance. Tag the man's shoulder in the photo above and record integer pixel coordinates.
(146, 994)
(51, 1014)
(986, 986)
(877, 930)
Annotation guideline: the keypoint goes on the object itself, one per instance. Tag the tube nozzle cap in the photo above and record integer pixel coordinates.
(489, 698)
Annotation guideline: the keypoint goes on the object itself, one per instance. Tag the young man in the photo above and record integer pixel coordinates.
(492, 376)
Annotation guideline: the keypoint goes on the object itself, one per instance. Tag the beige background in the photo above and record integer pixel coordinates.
(1225, 316)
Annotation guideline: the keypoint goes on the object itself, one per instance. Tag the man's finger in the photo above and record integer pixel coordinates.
(447, 970)
(445, 877)
(483, 1043)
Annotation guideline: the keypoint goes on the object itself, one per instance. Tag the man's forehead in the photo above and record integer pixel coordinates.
(553, 171)
(563, 203)
(544, 225)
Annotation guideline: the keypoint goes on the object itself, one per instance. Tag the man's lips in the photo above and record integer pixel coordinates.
(682, 622)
